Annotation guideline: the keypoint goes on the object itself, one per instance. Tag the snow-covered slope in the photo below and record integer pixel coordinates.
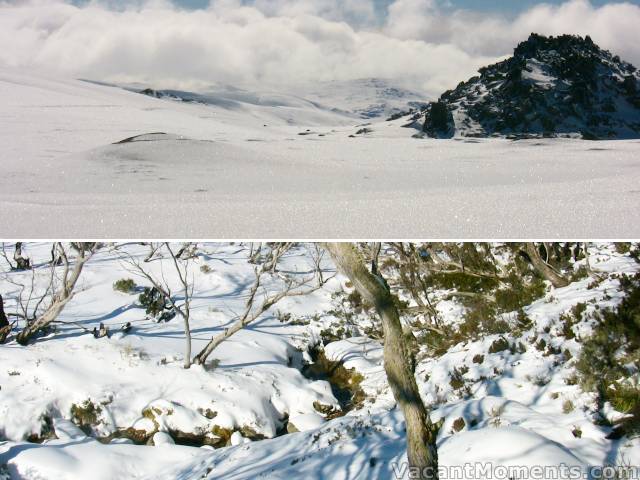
(555, 86)
(284, 107)
(511, 406)
(284, 171)
(368, 99)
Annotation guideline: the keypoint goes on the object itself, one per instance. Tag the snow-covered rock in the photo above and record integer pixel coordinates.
(67, 430)
(162, 438)
(238, 439)
(552, 86)
(304, 422)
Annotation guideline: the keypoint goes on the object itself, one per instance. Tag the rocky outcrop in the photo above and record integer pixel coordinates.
(551, 86)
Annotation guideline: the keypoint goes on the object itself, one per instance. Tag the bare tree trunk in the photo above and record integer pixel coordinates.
(22, 263)
(421, 433)
(3, 318)
(276, 252)
(254, 254)
(317, 254)
(163, 288)
(62, 296)
(546, 270)
(55, 257)
(188, 293)
(5, 326)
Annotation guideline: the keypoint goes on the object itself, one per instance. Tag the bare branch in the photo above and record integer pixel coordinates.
(4, 255)
(164, 288)
(251, 312)
(60, 295)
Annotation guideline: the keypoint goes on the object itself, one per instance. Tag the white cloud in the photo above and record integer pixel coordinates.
(612, 26)
(275, 43)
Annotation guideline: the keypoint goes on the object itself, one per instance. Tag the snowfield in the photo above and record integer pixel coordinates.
(86, 160)
(514, 415)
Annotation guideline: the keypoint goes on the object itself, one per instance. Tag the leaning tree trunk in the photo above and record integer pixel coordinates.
(546, 270)
(421, 433)
(60, 298)
(43, 320)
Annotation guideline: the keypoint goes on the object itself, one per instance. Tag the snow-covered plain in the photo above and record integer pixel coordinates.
(287, 167)
(514, 413)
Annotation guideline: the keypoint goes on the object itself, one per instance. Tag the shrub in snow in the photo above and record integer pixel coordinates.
(153, 301)
(212, 364)
(85, 415)
(495, 415)
(567, 407)
(499, 345)
(124, 285)
(610, 358)
(345, 383)
(457, 381)
(478, 358)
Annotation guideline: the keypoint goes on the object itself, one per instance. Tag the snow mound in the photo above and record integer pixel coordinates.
(88, 458)
(506, 446)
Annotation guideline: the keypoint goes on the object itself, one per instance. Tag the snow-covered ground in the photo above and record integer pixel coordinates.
(508, 407)
(282, 167)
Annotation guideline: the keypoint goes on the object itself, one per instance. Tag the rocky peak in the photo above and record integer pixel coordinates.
(551, 86)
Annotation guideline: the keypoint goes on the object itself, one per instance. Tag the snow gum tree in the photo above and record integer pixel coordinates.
(421, 432)
(545, 268)
(181, 261)
(60, 290)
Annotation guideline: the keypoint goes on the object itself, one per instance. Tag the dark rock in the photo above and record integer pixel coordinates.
(150, 93)
(438, 121)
